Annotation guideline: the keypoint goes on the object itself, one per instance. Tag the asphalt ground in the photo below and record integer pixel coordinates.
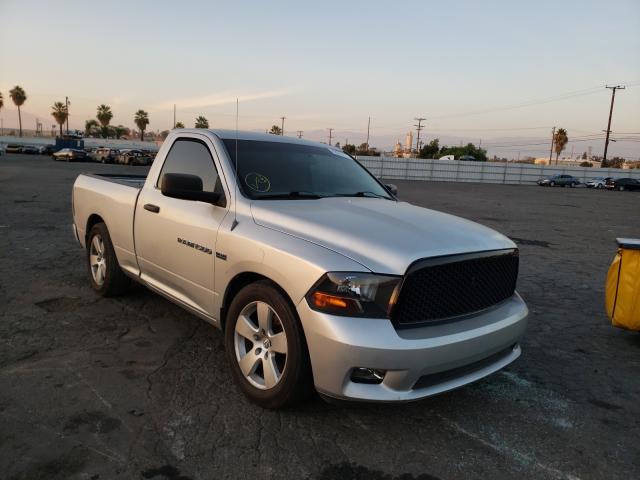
(134, 387)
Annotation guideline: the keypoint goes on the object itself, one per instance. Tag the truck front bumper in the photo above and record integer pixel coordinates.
(417, 362)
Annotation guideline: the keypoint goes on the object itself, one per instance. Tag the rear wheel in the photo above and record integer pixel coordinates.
(552, 184)
(266, 347)
(621, 188)
(105, 275)
(573, 184)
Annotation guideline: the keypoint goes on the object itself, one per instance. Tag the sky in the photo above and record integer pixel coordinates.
(500, 72)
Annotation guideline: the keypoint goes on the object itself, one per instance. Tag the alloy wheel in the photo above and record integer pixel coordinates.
(260, 345)
(97, 260)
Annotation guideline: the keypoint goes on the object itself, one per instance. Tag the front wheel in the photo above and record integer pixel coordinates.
(621, 188)
(105, 275)
(573, 184)
(266, 347)
(552, 184)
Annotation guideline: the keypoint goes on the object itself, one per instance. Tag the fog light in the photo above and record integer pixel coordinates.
(367, 375)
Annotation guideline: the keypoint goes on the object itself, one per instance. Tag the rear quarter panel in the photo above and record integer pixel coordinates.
(115, 205)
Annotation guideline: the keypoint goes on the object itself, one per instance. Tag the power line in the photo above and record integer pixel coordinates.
(606, 142)
(418, 128)
(66, 102)
(564, 96)
(545, 143)
(368, 126)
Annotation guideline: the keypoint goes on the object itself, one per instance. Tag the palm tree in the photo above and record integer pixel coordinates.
(179, 125)
(202, 122)
(90, 127)
(60, 113)
(142, 120)
(560, 141)
(275, 130)
(104, 116)
(18, 96)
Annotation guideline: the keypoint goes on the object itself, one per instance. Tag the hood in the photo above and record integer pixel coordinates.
(382, 235)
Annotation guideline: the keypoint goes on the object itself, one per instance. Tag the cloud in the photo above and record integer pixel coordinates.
(218, 99)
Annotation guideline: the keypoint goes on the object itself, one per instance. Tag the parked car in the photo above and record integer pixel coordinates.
(14, 148)
(105, 155)
(560, 180)
(598, 182)
(70, 154)
(47, 150)
(315, 278)
(134, 157)
(30, 149)
(621, 184)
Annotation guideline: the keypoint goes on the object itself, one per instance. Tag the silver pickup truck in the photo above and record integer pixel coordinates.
(315, 272)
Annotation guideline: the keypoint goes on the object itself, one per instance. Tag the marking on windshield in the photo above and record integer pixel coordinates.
(257, 182)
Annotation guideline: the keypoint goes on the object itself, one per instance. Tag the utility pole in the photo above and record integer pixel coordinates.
(606, 142)
(368, 127)
(418, 127)
(66, 102)
(282, 128)
(330, 132)
(174, 115)
(300, 132)
(553, 139)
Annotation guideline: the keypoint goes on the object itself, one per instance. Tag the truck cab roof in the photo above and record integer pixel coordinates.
(227, 134)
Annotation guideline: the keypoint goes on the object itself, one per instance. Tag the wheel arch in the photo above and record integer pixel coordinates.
(240, 281)
(93, 219)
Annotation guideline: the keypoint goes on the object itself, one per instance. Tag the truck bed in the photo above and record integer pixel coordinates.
(136, 181)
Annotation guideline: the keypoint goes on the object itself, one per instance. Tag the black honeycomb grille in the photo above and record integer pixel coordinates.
(461, 285)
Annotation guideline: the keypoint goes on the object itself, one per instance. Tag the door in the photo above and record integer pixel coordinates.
(175, 239)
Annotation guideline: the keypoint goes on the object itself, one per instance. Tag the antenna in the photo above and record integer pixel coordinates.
(234, 224)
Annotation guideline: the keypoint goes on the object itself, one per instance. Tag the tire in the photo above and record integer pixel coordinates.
(573, 185)
(621, 188)
(254, 339)
(105, 275)
(552, 184)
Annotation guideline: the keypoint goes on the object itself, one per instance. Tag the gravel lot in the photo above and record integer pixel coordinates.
(134, 387)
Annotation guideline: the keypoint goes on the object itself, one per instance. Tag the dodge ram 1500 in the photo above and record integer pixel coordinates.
(313, 269)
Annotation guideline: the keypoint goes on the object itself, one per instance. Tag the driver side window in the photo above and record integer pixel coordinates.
(192, 157)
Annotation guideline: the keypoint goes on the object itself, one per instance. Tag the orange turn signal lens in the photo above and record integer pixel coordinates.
(323, 300)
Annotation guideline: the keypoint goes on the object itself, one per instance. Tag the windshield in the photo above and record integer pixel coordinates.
(276, 170)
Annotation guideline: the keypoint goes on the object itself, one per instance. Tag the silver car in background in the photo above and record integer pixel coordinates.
(317, 274)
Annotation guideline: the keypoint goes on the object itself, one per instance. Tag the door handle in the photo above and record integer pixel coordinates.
(151, 208)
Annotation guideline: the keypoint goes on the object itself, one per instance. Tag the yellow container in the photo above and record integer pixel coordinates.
(623, 286)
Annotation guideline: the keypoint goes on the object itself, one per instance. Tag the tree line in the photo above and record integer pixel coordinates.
(463, 152)
(94, 127)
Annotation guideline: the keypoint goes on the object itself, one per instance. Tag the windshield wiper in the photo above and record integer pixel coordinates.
(364, 194)
(289, 196)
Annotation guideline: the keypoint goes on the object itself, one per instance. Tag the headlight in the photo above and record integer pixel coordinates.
(354, 294)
